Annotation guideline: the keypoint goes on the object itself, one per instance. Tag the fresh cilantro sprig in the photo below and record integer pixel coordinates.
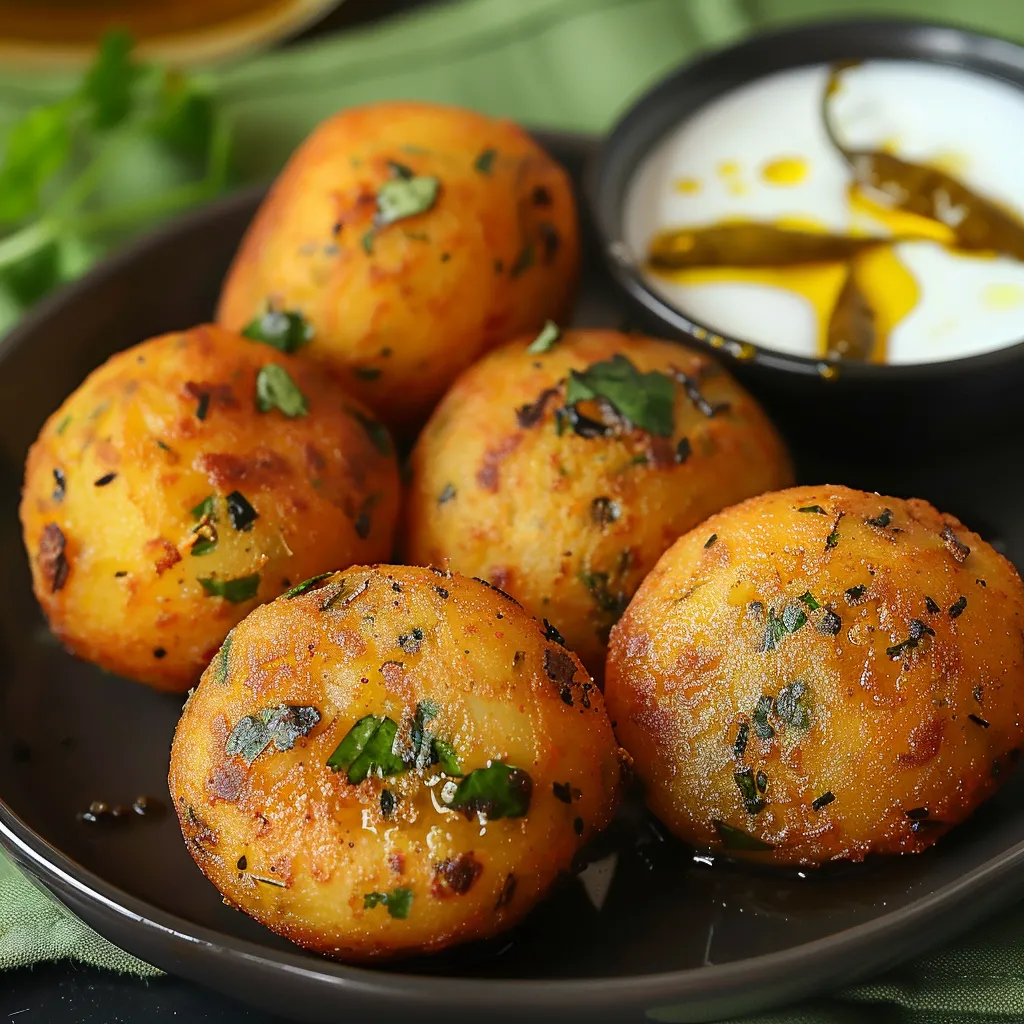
(62, 163)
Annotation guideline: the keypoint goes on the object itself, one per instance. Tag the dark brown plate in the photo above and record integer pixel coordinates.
(672, 932)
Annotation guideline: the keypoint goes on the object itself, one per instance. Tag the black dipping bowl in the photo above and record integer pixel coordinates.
(921, 407)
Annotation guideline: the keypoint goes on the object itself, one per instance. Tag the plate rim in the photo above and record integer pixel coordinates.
(695, 993)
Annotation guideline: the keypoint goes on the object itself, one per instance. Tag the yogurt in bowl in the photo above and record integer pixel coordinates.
(781, 153)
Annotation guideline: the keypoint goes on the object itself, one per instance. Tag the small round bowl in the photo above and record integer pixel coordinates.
(926, 405)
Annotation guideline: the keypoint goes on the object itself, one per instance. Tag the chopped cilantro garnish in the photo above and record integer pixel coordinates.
(275, 389)
(545, 341)
(281, 725)
(736, 839)
(498, 791)
(285, 330)
(368, 748)
(646, 400)
(236, 591)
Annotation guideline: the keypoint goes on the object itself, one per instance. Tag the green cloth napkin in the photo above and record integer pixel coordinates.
(571, 65)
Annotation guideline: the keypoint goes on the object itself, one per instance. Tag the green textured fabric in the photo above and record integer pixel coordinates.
(571, 65)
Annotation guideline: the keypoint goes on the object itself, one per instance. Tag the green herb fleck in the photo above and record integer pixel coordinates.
(285, 330)
(368, 747)
(206, 507)
(646, 400)
(446, 495)
(498, 791)
(753, 801)
(275, 389)
(400, 198)
(485, 161)
(932, 607)
(220, 662)
(810, 601)
(375, 431)
(791, 707)
(957, 608)
(855, 594)
(367, 372)
(398, 902)
(832, 539)
(711, 540)
(411, 642)
(367, 242)
(813, 508)
(236, 591)
(63, 425)
(918, 630)
(281, 725)
(545, 341)
(604, 511)
(524, 260)
(736, 839)
(882, 520)
(388, 802)
(301, 588)
(739, 748)
(760, 717)
(830, 623)
(399, 170)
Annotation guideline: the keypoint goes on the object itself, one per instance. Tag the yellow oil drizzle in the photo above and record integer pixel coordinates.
(887, 285)
(817, 283)
(728, 168)
(1002, 296)
(890, 290)
(785, 171)
(951, 162)
(688, 186)
(869, 216)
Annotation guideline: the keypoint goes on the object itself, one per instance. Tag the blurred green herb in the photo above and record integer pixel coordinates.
(70, 170)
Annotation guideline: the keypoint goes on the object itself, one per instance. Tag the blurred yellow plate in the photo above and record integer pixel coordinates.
(62, 34)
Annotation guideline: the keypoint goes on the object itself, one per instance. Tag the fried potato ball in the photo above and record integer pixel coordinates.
(820, 674)
(411, 238)
(187, 479)
(390, 760)
(562, 475)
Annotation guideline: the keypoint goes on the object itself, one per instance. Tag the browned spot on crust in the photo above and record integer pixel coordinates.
(107, 453)
(396, 862)
(314, 460)
(227, 780)
(660, 452)
(263, 468)
(219, 394)
(456, 876)
(487, 474)
(508, 890)
(51, 558)
(167, 552)
(354, 207)
(561, 670)
(198, 834)
(925, 740)
(532, 413)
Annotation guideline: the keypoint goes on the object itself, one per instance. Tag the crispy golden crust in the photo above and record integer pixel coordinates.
(300, 847)
(572, 524)
(402, 309)
(876, 724)
(112, 480)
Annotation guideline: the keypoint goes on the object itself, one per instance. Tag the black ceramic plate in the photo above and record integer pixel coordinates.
(673, 938)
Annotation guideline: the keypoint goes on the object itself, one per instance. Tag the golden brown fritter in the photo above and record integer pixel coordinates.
(819, 674)
(161, 503)
(412, 238)
(391, 760)
(568, 505)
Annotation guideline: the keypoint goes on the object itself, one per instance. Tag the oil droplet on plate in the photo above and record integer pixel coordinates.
(828, 371)
(999, 296)
(688, 186)
(729, 168)
(785, 171)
